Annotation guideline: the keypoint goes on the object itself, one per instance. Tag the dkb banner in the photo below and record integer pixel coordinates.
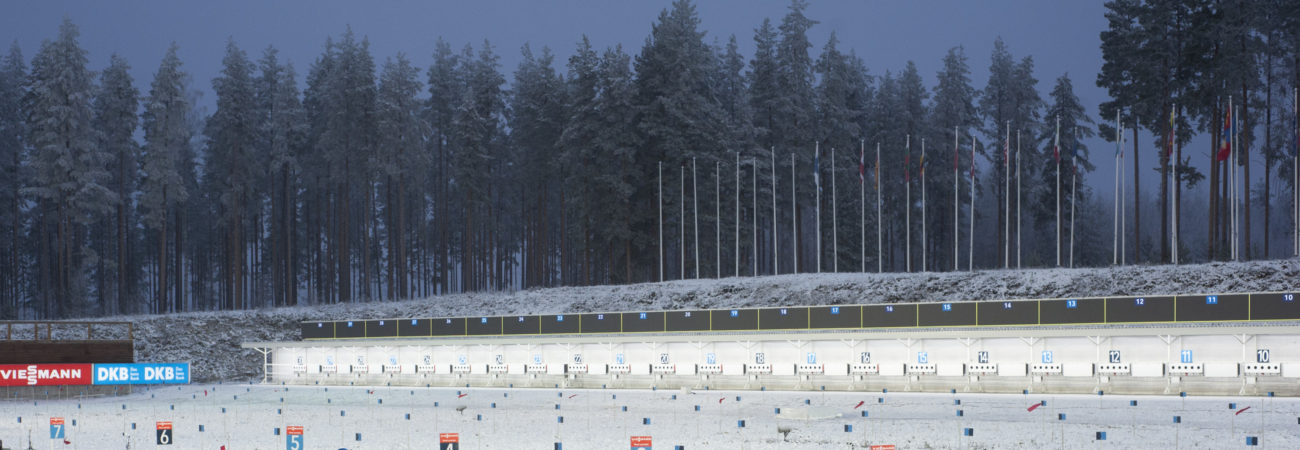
(142, 373)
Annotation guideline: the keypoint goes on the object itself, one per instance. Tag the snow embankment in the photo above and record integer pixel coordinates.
(210, 340)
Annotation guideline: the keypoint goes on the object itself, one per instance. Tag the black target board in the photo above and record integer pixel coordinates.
(641, 322)
(888, 316)
(601, 323)
(835, 317)
(483, 326)
(687, 321)
(1007, 313)
(1139, 309)
(521, 325)
(560, 324)
(1205, 308)
(350, 329)
(381, 328)
(318, 330)
(1075, 310)
(1276, 306)
(448, 326)
(945, 314)
(783, 318)
(734, 319)
(414, 327)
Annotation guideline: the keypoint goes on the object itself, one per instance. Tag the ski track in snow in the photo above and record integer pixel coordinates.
(210, 340)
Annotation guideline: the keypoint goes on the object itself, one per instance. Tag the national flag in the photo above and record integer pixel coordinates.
(862, 166)
(817, 170)
(907, 162)
(1226, 148)
(1056, 150)
(1006, 152)
(1173, 113)
(1076, 156)
(877, 166)
(922, 164)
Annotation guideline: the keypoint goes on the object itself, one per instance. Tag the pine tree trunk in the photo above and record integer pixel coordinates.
(162, 256)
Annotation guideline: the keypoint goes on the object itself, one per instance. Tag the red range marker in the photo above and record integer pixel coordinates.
(721, 399)
(1034, 406)
(859, 405)
(574, 395)
(1242, 410)
(461, 395)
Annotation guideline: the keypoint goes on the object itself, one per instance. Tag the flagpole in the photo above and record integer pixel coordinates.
(817, 205)
(794, 210)
(1295, 173)
(717, 217)
(1018, 221)
(956, 190)
(907, 203)
(1173, 137)
(1006, 199)
(862, 202)
(683, 223)
(776, 268)
(737, 266)
(753, 215)
(835, 236)
(661, 221)
(1114, 235)
(970, 235)
(922, 169)
(695, 206)
(1056, 153)
(880, 261)
(1232, 164)
(1074, 180)
(1123, 202)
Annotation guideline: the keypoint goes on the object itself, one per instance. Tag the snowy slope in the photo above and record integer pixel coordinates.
(210, 340)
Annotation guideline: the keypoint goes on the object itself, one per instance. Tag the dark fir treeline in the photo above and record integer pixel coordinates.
(359, 179)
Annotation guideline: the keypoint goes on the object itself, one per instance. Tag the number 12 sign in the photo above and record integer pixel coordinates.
(293, 437)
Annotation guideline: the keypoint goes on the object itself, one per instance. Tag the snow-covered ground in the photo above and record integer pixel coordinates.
(242, 416)
(210, 340)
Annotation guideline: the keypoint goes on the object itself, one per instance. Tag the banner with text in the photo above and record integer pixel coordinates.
(142, 373)
(44, 374)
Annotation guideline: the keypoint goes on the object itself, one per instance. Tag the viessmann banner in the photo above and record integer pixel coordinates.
(98, 374)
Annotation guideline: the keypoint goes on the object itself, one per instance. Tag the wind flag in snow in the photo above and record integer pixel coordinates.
(1226, 148)
(859, 405)
(1242, 410)
(1034, 406)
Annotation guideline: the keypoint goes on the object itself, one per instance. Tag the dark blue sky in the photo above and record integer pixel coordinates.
(1061, 36)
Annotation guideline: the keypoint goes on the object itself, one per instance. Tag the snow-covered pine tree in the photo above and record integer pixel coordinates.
(537, 118)
(116, 121)
(163, 187)
(68, 169)
(13, 76)
(953, 110)
(230, 169)
(401, 139)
